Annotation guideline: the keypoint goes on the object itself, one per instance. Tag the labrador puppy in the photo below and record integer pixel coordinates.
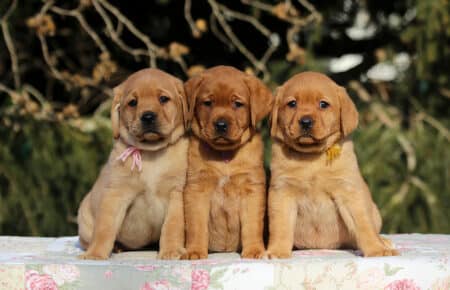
(225, 191)
(317, 197)
(137, 199)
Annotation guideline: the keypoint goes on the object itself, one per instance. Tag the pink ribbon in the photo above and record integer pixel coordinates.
(135, 153)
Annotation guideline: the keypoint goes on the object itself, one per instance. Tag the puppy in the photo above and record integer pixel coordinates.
(225, 191)
(317, 196)
(137, 199)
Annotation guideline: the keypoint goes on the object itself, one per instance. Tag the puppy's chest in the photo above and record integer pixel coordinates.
(310, 182)
(226, 190)
(160, 176)
(313, 189)
(152, 177)
(224, 224)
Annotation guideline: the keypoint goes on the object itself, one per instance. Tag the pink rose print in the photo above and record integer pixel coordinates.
(108, 274)
(404, 284)
(200, 279)
(145, 267)
(146, 286)
(62, 273)
(157, 285)
(35, 281)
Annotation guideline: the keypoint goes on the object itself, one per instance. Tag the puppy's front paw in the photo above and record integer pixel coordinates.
(92, 256)
(195, 255)
(171, 254)
(387, 243)
(278, 254)
(253, 252)
(380, 251)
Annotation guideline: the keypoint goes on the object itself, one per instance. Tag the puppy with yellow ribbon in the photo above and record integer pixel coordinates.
(317, 197)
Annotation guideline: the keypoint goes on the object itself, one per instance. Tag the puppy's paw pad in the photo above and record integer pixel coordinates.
(88, 256)
(387, 243)
(254, 253)
(194, 255)
(383, 252)
(278, 254)
(171, 254)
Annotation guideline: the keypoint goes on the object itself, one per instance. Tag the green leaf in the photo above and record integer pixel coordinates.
(391, 271)
(217, 275)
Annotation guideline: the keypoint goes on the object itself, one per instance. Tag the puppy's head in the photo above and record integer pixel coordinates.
(312, 113)
(149, 109)
(225, 105)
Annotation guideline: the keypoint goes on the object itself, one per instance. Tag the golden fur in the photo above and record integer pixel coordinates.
(314, 202)
(225, 191)
(137, 208)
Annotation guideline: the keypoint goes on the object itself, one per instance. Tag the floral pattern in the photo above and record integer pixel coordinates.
(52, 263)
(200, 279)
(157, 285)
(12, 277)
(404, 284)
(62, 273)
(36, 281)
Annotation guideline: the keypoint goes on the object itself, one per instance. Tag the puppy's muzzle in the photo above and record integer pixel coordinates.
(306, 123)
(149, 122)
(221, 126)
(148, 118)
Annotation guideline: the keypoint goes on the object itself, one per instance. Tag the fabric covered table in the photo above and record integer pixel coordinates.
(36, 263)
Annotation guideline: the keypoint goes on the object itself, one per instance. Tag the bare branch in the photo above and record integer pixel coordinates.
(190, 21)
(152, 49)
(83, 23)
(244, 17)
(114, 34)
(10, 44)
(234, 39)
(215, 30)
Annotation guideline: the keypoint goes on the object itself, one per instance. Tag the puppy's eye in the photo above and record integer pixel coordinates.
(292, 104)
(238, 104)
(164, 99)
(207, 103)
(132, 103)
(323, 105)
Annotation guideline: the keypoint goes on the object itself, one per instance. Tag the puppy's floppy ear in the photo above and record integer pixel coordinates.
(191, 89)
(181, 94)
(274, 115)
(349, 114)
(261, 99)
(115, 107)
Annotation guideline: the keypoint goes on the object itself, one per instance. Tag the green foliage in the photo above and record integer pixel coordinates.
(432, 27)
(408, 173)
(45, 170)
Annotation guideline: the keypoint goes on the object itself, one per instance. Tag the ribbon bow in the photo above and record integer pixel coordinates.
(333, 152)
(135, 153)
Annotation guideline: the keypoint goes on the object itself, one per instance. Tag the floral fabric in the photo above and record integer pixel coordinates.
(51, 263)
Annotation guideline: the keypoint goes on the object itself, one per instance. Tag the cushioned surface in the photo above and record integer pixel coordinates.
(35, 263)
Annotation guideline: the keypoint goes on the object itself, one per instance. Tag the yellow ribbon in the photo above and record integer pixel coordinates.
(333, 152)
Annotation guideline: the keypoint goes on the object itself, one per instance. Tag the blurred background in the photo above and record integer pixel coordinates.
(60, 59)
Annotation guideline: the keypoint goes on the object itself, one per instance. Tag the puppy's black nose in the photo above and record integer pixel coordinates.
(148, 117)
(221, 126)
(306, 123)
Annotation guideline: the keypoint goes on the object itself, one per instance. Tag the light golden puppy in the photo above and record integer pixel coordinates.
(225, 190)
(137, 199)
(318, 198)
